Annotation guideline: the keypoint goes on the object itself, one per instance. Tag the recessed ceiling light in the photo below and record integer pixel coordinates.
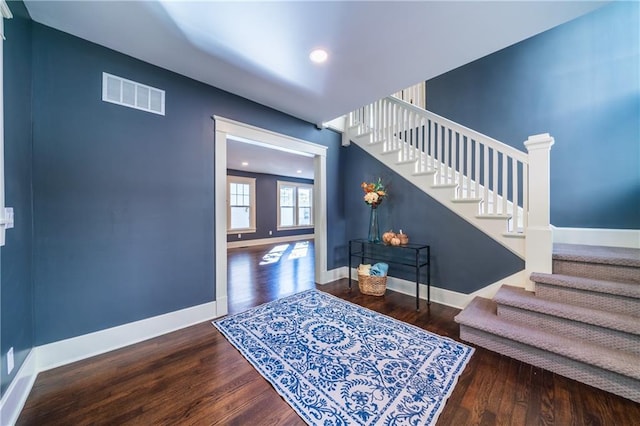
(244, 163)
(298, 171)
(318, 55)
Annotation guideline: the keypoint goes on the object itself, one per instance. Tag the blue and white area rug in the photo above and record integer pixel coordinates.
(337, 363)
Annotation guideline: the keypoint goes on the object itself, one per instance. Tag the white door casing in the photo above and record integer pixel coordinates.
(224, 127)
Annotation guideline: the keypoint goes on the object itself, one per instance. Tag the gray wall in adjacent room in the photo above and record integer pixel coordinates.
(124, 200)
(267, 206)
(580, 83)
(16, 263)
(464, 259)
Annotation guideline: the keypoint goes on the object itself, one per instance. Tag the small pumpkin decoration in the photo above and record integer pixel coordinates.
(395, 241)
(404, 238)
(387, 236)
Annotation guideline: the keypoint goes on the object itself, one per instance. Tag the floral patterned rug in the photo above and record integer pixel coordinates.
(337, 363)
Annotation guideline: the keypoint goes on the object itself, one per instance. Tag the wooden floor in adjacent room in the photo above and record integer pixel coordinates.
(195, 377)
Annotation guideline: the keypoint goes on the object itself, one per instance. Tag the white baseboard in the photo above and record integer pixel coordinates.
(334, 275)
(66, 351)
(629, 238)
(449, 297)
(274, 240)
(18, 391)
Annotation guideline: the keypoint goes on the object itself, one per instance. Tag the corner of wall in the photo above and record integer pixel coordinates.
(14, 398)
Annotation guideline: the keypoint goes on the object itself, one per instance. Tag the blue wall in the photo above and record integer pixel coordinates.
(124, 200)
(15, 271)
(463, 258)
(267, 206)
(580, 82)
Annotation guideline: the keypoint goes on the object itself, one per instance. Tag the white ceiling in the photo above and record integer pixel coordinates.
(267, 160)
(259, 50)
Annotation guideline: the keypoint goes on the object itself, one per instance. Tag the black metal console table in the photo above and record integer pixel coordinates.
(414, 255)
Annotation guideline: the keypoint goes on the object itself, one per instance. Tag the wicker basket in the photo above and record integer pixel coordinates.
(372, 285)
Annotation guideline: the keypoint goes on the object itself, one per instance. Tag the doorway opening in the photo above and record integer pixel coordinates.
(228, 129)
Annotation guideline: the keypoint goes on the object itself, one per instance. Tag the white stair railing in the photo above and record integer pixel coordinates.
(504, 182)
(480, 167)
(415, 95)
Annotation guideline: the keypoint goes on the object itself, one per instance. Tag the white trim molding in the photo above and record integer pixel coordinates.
(225, 128)
(267, 138)
(266, 241)
(15, 397)
(333, 275)
(5, 11)
(443, 296)
(629, 238)
(296, 186)
(63, 352)
(5, 14)
(66, 351)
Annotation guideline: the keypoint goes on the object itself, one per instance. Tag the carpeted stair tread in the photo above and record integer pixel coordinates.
(520, 298)
(619, 256)
(481, 314)
(617, 288)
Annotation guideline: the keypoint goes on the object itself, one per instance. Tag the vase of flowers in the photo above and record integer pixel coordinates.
(374, 193)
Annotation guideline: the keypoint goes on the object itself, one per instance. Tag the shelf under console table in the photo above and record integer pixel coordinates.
(412, 255)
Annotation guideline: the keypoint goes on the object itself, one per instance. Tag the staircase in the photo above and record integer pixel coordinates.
(486, 182)
(582, 321)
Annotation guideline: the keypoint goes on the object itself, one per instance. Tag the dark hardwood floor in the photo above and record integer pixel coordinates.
(195, 377)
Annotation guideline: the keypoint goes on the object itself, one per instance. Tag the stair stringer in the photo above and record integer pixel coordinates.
(494, 226)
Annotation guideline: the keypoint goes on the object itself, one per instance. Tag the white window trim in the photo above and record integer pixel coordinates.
(296, 185)
(252, 200)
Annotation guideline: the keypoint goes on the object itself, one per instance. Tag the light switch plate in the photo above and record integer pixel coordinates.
(8, 217)
(10, 360)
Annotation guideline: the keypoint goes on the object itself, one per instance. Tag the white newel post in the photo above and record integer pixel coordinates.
(539, 236)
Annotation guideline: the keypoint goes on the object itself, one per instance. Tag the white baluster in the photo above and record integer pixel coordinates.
(454, 157)
(374, 122)
(495, 180)
(385, 120)
(525, 196)
(438, 162)
(446, 155)
(505, 185)
(467, 156)
(389, 125)
(396, 126)
(432, 149)
(477, 169)
(515, 195)
(485, 155)
(421, 143)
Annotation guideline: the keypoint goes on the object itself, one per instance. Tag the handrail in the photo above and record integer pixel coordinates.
(513, 152)
(480, 167)
(504, 182)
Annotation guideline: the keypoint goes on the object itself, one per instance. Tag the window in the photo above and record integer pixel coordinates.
(241, 204)
(295, 205)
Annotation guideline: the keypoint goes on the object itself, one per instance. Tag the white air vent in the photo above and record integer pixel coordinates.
(128, 93)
